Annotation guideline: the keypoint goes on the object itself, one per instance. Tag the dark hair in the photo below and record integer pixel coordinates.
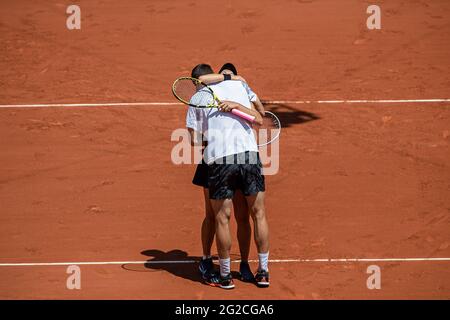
(229, 66)
(200, 70)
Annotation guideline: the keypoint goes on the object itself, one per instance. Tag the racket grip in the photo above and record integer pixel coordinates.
(243, 115)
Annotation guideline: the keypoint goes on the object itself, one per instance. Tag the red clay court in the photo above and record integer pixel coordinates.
(96, 184)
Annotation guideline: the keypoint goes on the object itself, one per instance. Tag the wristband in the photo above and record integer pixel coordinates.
(226, 77)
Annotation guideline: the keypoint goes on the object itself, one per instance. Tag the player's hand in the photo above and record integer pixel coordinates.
(227, 106)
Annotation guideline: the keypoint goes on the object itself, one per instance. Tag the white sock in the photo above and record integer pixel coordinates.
(206, 257)
(224, 266)
(263, 261)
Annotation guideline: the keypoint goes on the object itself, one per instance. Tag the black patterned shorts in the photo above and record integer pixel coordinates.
(236, 172)
(201, 175)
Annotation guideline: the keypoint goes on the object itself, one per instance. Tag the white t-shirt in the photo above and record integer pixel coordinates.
(250, 93)
(225, 133)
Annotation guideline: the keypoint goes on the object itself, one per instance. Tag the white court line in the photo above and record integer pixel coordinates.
(113, 104)
(29, 264)
(357, 101)
(143, 104)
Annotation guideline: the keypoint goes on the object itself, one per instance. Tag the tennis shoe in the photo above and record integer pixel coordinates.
(206, 268)
(262, 278)
(221, 282)
(245, 272)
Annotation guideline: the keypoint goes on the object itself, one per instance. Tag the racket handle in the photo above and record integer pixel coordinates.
(243, 115)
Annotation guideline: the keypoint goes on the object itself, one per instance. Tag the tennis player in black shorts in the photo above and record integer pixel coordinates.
(233, 164)
(241, 211)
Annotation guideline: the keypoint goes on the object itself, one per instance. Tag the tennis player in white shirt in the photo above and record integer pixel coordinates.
(233, 164)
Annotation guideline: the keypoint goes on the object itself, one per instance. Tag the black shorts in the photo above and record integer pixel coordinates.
(228, 175)
(201, 175)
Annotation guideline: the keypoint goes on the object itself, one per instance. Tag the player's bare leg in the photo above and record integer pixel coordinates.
(244, 234)
(208, 231)
(244, 229)
(258, 212)
(222, 211)
(208, 226)
(261, 234)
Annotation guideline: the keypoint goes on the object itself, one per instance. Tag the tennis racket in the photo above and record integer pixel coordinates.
(269, 131)
(197, 94)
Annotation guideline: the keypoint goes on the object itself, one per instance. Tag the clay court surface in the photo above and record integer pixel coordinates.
(359, 180)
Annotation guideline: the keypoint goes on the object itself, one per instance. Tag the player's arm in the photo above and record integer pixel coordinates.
(194, 124)
(254, 106)
(214, 77)
(254, 99)
(259, 106)
(227, 106)
(196, 138)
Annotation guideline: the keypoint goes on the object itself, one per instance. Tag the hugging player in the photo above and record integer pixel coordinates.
(233, 173)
